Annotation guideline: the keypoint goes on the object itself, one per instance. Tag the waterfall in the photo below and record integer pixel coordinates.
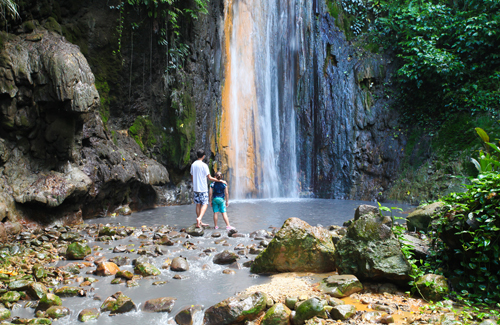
(257, 133)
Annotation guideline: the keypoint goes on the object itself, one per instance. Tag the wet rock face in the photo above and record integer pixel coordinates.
(297, 247)
(236, 309)
(371, 251)
(55, 151)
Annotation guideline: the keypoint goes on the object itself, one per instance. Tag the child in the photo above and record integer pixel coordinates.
(218, 198)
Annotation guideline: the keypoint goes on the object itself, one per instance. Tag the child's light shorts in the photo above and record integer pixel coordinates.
(219, 205)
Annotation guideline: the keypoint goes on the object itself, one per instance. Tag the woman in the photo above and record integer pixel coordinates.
(218, 197)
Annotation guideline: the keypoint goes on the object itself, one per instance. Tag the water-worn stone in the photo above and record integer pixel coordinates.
(236, 309)
(420, 219)
(432, 286)
(365, 209)
(121, 260)
(67, 291)
(279, 314)
(126, 274)
(39, 272)
(340, 286)
(106, 269)
(39, 321)
(56, 312)
(290, 302)
(194, 231)
(77, 251)
(146, 269)
(310, 308)
(297, 247)
(11, 296)
(371, 251)
(118, 303)
(188, 315)
(48, 301)
(4, 313)
(159, 305)
(343, 312)
(20, 285)
(225, 257)
(88, 314)
(36, 290)
(179, 264)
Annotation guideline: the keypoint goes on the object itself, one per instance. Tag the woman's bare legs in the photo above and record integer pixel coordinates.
(226, 220)
(215, 219)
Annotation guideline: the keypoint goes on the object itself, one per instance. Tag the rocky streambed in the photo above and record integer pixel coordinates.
(161, 274)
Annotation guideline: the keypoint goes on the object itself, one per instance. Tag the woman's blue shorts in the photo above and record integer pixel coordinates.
(219, 205)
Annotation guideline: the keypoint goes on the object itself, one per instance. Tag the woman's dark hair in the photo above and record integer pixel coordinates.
(218, 175)
(200, 153)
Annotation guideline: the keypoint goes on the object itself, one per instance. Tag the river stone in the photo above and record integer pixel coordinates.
(420, 219)
(39, 272)
(418, 247)
(19, 285)
(159, 305)
(88, 314)
(308, 309)
(371, 251)
(432, 286)
(77, 251)
(343, 312)
(39, 321)
(290, 302)
(4, 313)
(279, 314)
(371, 316)
(107, 231)
(118, 303)
(106, 269)
(188, 315)
(124, 275)
(70, 268)
(225, 257)
(194, 231)
(67, 291)
(179, 264)
(121, 260)
(11, 296)
(365, 209)
(55, 312)
(48, 301)
(36, 290)
(297, 247)
(340, 286)
(146, 269)
(120, 249)
(236, 309)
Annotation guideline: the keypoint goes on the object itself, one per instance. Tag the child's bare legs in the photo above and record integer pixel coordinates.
(226, 220)
(215, 219)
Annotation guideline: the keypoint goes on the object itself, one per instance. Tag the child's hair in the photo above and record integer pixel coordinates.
(218, 175)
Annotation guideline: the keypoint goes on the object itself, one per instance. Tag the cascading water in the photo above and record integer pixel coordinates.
(257, 136)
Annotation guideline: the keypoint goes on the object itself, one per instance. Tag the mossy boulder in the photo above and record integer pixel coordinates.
(39, 321)
(88, 315)
(56, 312)
(420, 219)
(77, 251)
(187, 315)
(118, 304)
(107, 231)
(310, 308)
(159, 305)
(432, 286)
(4, 313)
(20, 285)
(39, 272)
(146, 269)
(67, 291)
(48, 301)
(371, 251)
(195, 231)
(36, 290)
(297, 247)
(236, 309)
(126, 274)
(225, 257)
(279, 314)
(340, 286)
(343, 312)
(10, 296)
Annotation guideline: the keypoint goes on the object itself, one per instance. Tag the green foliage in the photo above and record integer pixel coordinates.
(52, 25)
(487, 161)
(8, 8)
(449, 55)
(143, 132)
(103, 89)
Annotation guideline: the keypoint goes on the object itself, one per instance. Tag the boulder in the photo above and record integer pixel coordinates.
(419, 248)
(56, 312)
(340, 286)
(343, 312)
(159, 305)
(236, 309)
(20, 285)
(310, 308)
(421, 218)
(10, 296)
(106, 269)
(194, 231)
(36, 290)
(146, 269)
(4, 313)
(432, 286)
(118, 304)
(67, 291)
(225, 257)
(371, 251)
(88, 315)
(48, 301)
(297, 247)
(365, 209)
(279, 314)
(39, 272)
(127, 275)
(188, 315)
(39, 321)
(179, 264)
(77, 251)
